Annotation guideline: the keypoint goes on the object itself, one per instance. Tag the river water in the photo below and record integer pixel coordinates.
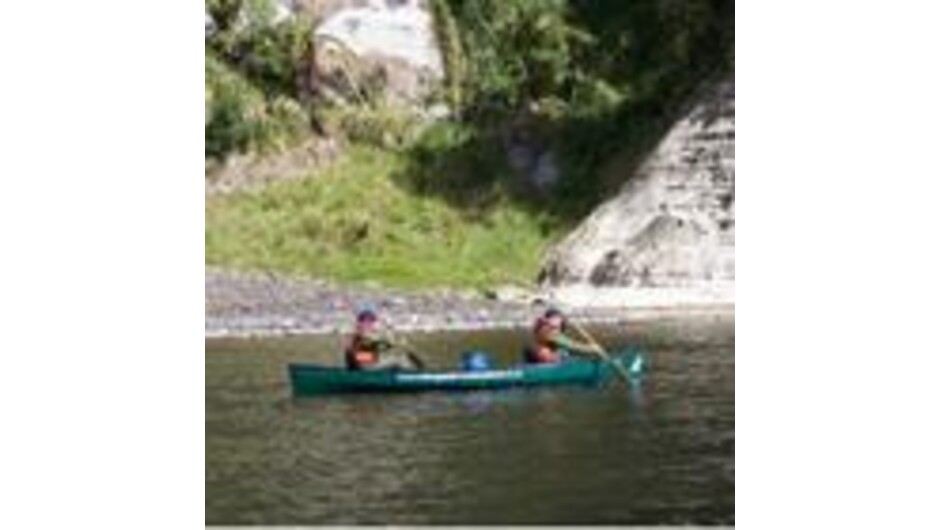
(660, 451)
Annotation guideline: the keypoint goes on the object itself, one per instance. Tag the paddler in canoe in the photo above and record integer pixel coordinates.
(552, 344)
(371, 347)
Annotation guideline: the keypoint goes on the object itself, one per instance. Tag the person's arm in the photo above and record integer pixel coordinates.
(378, 341)
(573, 345)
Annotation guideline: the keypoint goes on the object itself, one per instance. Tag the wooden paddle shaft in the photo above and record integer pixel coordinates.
(601, 351)
(410, 349)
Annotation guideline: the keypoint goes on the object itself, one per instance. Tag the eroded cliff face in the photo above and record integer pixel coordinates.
(668, 237)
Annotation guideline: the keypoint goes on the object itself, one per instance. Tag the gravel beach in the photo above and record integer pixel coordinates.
(240, 304)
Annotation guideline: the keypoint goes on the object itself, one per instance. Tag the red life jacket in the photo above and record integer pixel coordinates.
(545, 351)
(358, 355)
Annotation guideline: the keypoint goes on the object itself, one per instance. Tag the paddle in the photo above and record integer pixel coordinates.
(406, 345)
(600, 351)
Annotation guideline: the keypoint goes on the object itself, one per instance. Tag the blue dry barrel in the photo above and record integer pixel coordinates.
(475, 361)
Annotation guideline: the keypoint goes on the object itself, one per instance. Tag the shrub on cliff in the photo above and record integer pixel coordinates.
(254, 64)
(582, 54)
(240, 117)
(584, 79)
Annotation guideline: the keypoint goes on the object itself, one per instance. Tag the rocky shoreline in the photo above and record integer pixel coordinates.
(240, 304)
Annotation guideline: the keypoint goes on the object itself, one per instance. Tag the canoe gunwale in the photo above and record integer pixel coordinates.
(315, 379)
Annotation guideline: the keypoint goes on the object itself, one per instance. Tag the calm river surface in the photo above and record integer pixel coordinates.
(659, 452)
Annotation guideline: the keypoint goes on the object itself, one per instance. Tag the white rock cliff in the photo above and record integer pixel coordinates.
(668, 237)
(362, 42)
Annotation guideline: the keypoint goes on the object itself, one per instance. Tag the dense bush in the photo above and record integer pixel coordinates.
(590, 55)
(375, 124)
(240, 117)
(254, 65)
(588, 77)
(592, 75)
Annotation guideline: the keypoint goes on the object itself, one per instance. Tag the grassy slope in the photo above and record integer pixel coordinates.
(599, 79)
(355, 224)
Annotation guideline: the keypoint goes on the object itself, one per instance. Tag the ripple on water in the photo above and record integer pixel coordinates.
(659, 452)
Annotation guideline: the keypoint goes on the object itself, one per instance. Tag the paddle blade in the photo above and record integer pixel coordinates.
(636, 365)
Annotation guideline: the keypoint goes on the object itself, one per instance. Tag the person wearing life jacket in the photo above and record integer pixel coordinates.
(370, 348)
(551, 342)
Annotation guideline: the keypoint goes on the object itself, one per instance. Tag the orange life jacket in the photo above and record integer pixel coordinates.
(359, 354)
(545, 350)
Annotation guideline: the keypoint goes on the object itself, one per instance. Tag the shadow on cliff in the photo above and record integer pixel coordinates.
(655, 56)
(559, 170)
(546, 168)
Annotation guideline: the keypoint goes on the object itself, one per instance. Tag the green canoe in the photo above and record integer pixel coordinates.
(312, 379)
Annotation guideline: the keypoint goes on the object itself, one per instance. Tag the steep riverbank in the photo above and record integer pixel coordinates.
(588, 148)
(671, 227)
(253, 304)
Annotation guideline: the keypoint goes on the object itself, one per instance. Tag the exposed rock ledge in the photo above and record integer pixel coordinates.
(668, 237)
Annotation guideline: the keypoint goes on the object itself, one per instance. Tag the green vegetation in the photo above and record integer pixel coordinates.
(242, 118)
(252, 69)
(589, 79)
(414, 205)
(581, 59)
(355, 223)
(378, 124)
